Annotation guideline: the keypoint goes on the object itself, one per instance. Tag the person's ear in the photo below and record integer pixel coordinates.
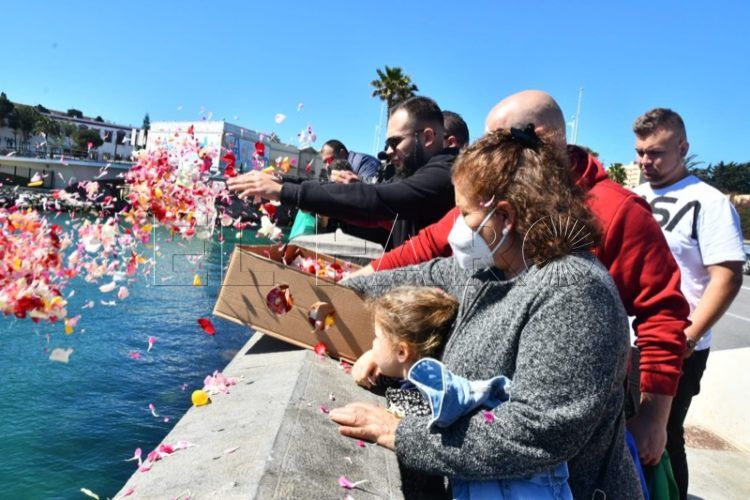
(430, 137)
(508, 212)
(405, 352)
(684, 147)
(452, 141)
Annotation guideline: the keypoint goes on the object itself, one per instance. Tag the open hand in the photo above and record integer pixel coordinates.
(367, 422)
(256, 183)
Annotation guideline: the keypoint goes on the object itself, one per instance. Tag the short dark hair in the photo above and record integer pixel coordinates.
(336, 145)
(421, 110)
(659, 118)
(456, 126)
(341, 164)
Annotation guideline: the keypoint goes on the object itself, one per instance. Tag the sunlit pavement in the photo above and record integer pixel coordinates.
(718, 424)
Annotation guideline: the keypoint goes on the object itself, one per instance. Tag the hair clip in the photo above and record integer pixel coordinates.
(526, 137)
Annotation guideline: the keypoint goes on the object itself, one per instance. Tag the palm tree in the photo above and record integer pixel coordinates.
(393, 86)
(50, 129)
(617, 173)
(67, 130)
(27, 118)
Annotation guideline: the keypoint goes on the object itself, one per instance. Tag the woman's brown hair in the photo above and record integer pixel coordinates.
(420, 316)
(534, 176)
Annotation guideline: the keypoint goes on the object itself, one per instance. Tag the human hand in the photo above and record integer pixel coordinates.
(344, 177)
(256, 184)
(364, 371)
(367, 422)
(649, 427)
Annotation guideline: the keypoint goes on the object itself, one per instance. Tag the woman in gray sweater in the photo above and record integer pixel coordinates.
(536, 307)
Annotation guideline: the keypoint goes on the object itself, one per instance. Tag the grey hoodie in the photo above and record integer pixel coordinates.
(561, 334)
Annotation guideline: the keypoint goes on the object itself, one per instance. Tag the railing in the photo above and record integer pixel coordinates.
(58, 153)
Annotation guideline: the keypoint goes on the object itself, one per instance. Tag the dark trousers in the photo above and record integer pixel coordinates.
(689, 386)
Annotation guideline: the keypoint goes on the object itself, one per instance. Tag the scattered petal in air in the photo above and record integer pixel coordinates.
(231, 450)
(134, 355)
(207, 326)
(89, 493)
(300, 106)
(268, 229)
(151, 341)
(61, 355)
(197, 280)
(279, 118)
(324, 409)
(128, 492)
(123, 293)
(165, 419)
(152, 408)
(108, 287)
(361, 443)
(489, 417)
(331, 396)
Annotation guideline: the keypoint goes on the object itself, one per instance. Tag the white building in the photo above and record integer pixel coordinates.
(228, 137)
(634, 177)
(118, 144)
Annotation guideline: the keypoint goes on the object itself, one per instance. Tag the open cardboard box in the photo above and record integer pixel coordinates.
(254, 270)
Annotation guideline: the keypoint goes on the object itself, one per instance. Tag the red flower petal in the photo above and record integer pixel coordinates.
(279, 300)
(320, 349)
(207, 326)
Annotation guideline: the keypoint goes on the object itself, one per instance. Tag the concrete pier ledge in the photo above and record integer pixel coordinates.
(286, 445)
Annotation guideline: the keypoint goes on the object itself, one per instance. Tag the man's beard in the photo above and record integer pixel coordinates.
(412, 162)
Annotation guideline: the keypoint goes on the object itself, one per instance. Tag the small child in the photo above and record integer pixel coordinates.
(411, 323)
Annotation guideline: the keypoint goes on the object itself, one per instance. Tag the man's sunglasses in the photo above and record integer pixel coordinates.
(393, 142)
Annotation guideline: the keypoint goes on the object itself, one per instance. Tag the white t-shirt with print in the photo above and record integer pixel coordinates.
(701, 227)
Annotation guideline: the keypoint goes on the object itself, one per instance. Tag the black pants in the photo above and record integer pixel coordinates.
(689, 386)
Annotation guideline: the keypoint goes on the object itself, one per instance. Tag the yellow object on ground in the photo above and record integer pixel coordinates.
(200, 398)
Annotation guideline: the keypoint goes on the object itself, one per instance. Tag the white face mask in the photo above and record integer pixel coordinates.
(469, 248)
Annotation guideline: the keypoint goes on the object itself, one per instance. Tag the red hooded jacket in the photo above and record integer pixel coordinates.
(634, 251)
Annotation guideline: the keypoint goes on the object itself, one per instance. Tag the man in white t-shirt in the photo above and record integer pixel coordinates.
(703, 231)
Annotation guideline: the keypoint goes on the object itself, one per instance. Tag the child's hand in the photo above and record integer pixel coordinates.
(365, 372)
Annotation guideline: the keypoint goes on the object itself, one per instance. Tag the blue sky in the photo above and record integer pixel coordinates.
(252, 60)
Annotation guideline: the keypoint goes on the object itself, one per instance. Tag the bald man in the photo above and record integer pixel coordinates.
(632, 248)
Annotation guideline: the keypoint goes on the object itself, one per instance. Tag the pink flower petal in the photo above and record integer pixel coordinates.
(489, 417)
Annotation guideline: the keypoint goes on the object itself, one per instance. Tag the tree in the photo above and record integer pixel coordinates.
(6, 108)
(27, 119)
(74, 113)
(393, 86)
(50, 129)
(146, 126)
(726, 177)
(617, 173)
(83, 137)
(99, 119)
(67, 132)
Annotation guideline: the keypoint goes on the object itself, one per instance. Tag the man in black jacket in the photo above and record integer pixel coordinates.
(420, 193)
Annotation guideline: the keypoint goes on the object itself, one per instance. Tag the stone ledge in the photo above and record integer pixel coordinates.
(288, 448)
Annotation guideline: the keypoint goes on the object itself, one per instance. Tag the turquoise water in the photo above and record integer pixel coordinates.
(64, 427)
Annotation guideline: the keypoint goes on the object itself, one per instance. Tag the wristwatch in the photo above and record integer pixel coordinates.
(690, 344)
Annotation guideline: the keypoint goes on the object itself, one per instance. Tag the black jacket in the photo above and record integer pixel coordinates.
(412, 203)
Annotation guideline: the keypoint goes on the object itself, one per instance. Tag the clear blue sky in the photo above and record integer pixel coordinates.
(252, 60)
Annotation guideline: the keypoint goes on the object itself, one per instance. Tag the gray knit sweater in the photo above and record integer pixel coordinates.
(561, 334)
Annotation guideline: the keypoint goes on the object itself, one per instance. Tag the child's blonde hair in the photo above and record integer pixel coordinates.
(421, 316)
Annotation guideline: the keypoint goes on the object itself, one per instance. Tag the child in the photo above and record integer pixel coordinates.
(410, 324)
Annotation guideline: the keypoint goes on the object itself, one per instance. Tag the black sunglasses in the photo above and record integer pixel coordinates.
(394, 141)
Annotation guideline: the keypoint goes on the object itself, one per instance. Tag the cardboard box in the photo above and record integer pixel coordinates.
(254, 270)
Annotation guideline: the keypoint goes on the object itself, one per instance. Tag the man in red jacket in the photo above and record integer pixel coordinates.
(632, 248)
